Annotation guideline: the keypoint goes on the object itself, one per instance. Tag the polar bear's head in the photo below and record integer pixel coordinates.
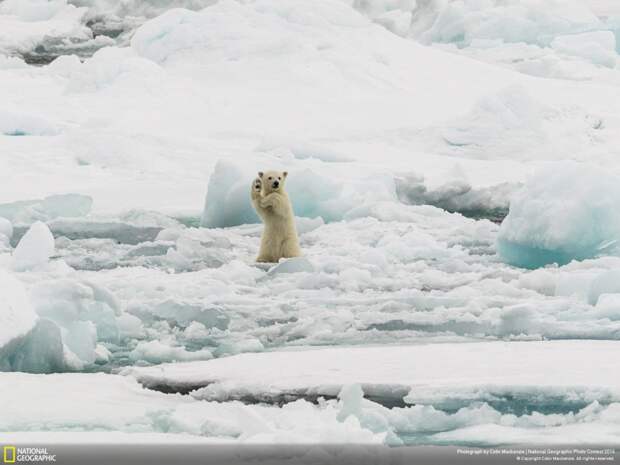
(273, 181)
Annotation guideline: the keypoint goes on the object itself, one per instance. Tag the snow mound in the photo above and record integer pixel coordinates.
(566, 212)
(23, 124)
(509, 117)
(34, 249)
(180, 30)
(514, 124)
(49, 208)
(327, 59)
(598, 47)
(107, 67)
(313, 194)
(465, 21)
(24, 24)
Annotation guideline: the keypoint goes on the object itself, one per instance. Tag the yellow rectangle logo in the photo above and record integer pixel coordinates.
(9, 454)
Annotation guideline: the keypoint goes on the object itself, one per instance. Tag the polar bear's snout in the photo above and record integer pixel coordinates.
(276, 184)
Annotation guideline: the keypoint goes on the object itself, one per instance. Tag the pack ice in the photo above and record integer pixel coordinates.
(409, 129)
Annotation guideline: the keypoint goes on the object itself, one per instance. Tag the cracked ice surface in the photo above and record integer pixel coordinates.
(397, 274)
(115, 405)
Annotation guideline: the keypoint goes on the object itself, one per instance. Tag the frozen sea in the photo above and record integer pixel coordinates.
(453, 167)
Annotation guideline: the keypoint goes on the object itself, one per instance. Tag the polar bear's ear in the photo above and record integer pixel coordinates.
(285, 174)
(260, 174)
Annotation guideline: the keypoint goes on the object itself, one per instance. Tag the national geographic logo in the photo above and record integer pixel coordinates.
(12, 454)
(9, 454)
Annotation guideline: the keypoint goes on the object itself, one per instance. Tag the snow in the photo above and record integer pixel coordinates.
(466, 21)
(512, 21)
(599, 47)
(113, 403)
(467, 372)
(564, 39)
(157, 352)
(119, 404)
(27, 343)
(20, 124)
(565, 212)
(51, 207)
(84, 312)
(34, 249)
(515, 124)
(355, 105)
(135, 150)
(16, 313)
(395, 273)
(292, 265)
(26, 23)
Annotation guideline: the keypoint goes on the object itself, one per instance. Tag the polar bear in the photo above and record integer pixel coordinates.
(273, 206)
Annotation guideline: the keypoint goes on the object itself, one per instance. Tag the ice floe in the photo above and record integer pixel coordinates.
(433, 374)
(565, 212)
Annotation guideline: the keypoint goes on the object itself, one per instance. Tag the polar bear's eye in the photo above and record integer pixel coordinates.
(279, 177)
(269, 177)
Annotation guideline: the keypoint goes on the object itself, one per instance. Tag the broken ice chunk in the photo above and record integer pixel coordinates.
(34, 249)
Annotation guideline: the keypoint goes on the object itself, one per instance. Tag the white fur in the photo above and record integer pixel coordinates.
(273, 206)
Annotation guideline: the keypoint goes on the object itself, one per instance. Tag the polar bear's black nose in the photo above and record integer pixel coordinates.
(276, 184)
